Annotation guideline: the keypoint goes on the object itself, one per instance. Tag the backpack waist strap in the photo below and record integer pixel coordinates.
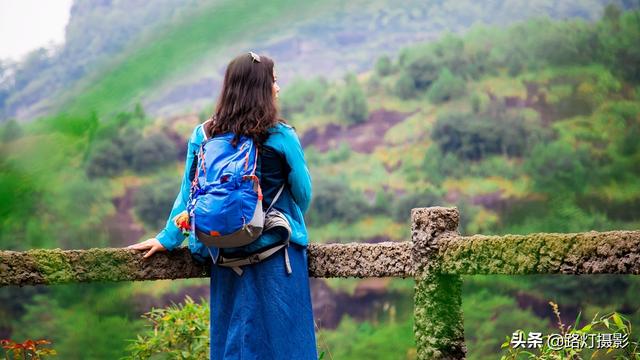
(235, 262)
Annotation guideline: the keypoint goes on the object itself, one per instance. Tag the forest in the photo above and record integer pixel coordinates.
(529, 127)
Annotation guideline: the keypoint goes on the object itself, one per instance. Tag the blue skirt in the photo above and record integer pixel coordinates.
(265, 313)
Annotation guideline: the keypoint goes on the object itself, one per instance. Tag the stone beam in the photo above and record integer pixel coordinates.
(611, 252)
(57, 266)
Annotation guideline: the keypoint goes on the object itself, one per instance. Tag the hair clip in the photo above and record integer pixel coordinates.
(254, 56)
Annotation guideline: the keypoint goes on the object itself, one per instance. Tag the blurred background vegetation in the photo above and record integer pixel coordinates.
(524, 114)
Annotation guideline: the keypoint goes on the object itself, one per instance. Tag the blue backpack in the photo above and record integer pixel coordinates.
(225, 201)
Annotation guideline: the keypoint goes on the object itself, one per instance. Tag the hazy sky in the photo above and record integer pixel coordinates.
(29, 24)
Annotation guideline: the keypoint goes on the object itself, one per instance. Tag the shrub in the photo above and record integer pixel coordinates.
(152, 151)
(304, 96)
(423, 68)
(609, 323)
(122, 148)
(334, 200)
(405, 86)
(475, 136)
(558, 167)
(383, 66)
(28, 349)
(446, 87)
(352, 104)
(177, 332)
(107, 159)
(153, 202)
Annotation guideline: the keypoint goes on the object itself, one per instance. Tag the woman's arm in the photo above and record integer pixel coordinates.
(299, 176)
(171, 236)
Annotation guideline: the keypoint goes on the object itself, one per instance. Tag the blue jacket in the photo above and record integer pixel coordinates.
(283, 144)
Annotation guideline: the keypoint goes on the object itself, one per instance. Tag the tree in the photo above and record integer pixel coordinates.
(153, 201)
(475, 136)
(352, 104)
(423, 68)
(181, 331)
(383, 66)
(304, 96)
(107, 159)
(558, 168)
(405, 86)
(333, 200)
(447, 87)
(152, 151)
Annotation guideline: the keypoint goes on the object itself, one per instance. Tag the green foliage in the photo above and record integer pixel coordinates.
(107, 159)
(152, 151)
(115, 142)
(153, 201)
(557, 213)
(316, 158)
(352, 104)
(11, 130)
(421, 66)
(42, 200)
(488, 317)
(530, 45)
(374, 84)
(476, 103)
(353, 340)
(474, 137)
(177, 332)
(383, 66)
(332, 200)
(339, 154)
(558, 168)
(618, 36)
(95, 328)
(120, 145)
(609, 323)
(446, 87)
(383, 203)
(405, 87)
(305, 96)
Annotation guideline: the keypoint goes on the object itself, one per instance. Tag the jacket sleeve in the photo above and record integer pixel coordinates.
(171, 237)
(299, 176)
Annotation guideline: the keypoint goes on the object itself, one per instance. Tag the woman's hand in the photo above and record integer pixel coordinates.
(153, 245)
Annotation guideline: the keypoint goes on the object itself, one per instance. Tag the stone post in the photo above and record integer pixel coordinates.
(438, 326)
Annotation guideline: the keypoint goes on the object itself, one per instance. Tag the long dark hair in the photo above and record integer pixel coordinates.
(246, 106)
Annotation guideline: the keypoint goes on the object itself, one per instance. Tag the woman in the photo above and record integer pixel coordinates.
(264, 313)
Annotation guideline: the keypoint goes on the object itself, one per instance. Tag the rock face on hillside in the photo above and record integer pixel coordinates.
(362, 137)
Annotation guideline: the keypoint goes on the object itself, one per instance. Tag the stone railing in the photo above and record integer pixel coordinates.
(436, 258)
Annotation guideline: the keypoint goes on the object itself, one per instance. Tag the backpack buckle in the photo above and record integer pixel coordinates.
(254, 259)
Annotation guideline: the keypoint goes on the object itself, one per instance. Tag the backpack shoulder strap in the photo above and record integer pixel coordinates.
(194, 162)
(275, 198)
(206, 137)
